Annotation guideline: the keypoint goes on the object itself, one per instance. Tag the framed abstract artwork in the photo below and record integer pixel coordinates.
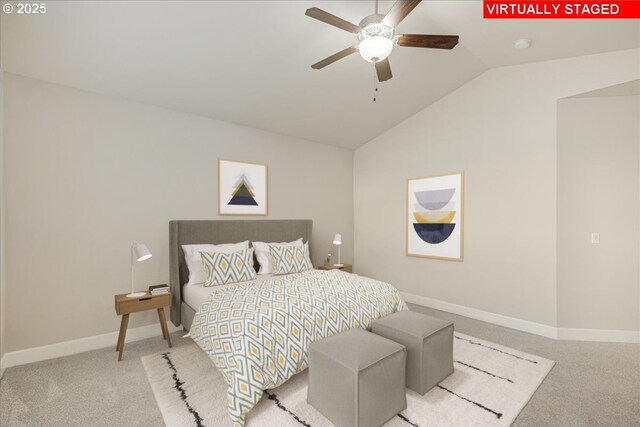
(435, 212)
(242, 188)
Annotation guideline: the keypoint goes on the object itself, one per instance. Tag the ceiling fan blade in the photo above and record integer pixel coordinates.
(383, 68)
(399, 11)
(427, 40)
(333, 58)
(330, 19)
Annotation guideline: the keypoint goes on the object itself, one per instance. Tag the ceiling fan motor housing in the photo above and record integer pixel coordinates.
(372, 26)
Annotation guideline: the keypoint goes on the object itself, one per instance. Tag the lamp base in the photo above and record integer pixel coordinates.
(338, 265)
(136, 294)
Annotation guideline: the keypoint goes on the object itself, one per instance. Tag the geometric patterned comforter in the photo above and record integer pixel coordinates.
(258, 334)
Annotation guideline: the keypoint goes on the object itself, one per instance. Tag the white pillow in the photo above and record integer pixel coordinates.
(197, 272)
(263, 254)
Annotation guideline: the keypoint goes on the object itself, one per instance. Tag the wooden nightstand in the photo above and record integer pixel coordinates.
(125, 306)
(346, 267)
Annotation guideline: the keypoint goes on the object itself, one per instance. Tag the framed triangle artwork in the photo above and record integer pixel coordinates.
(242, 188)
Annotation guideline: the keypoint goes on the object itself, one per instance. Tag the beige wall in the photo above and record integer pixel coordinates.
(2, 251)
(501, 130)
(598, 191)
(87, 175)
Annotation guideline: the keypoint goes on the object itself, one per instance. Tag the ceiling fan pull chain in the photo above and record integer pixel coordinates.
(375, 83)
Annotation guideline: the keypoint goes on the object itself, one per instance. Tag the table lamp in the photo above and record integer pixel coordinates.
(337, 240)
(139, 252)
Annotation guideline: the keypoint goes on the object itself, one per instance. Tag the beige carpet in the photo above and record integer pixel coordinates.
(490, 386)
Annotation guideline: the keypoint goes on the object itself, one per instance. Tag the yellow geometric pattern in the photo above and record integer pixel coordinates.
(435, 217)
(258, 335)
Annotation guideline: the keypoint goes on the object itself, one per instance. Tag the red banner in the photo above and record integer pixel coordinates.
(591, 9)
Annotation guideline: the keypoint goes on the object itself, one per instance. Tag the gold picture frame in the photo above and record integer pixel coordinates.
(435, 217)
(243, 188)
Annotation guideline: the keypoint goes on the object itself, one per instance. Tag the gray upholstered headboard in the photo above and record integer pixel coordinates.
(223, 231)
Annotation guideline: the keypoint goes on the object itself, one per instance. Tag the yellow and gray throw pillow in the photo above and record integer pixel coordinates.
(290, 259)
(228, 268)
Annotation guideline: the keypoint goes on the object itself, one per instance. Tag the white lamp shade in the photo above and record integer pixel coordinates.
(337, 239)
(141, 252)
(375, 48)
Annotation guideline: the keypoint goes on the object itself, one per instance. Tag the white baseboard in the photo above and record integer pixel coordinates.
(52, 351)
(485, 316)
(603, 335)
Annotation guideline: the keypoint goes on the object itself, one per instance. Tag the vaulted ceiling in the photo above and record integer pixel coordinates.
(248, 62)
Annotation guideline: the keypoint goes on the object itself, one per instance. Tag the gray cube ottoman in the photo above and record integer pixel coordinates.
(357, 379)
(429, 344)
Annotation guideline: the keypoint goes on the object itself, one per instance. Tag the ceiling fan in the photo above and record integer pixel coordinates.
(376, 36)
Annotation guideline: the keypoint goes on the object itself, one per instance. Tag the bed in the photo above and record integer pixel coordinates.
(257, 333)
(188, 232)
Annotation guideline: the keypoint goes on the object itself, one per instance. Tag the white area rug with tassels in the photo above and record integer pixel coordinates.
(490, 386)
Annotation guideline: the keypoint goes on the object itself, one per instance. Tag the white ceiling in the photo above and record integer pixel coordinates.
(248, 62)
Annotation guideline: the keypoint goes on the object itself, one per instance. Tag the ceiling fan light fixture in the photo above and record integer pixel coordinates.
(375, 48)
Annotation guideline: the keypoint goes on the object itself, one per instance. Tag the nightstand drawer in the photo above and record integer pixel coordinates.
(126, 305)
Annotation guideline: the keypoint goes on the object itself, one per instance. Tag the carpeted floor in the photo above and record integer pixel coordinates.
(489, 387)
(592, 384)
